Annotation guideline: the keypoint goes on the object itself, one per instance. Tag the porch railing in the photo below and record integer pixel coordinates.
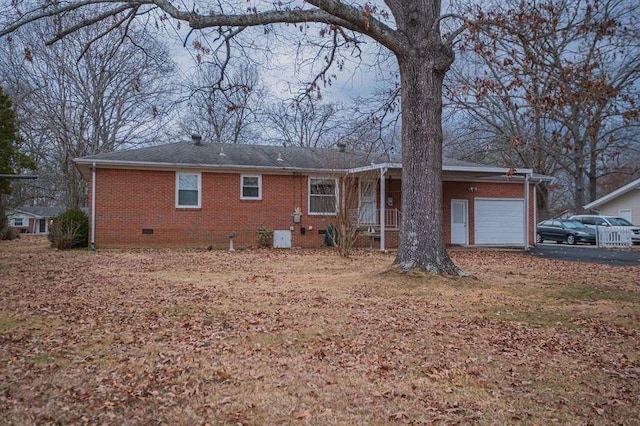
(392, 218)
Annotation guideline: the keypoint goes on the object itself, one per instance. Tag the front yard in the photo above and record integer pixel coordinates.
(305, 337)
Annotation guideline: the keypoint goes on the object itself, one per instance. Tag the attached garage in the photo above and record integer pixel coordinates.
(499, 221)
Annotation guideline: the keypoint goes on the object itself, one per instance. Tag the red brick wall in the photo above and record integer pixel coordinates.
(132, 200)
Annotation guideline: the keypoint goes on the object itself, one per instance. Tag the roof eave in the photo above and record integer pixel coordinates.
(487, 169)
(502, 171)
(373, 167)
(87, 162)
(25, 213)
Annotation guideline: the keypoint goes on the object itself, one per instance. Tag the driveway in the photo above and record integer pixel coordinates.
(588, 254)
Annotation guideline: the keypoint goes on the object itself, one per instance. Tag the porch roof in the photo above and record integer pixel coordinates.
(463, 170)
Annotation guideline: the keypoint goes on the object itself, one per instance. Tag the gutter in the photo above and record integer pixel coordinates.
(230, 167)
(225, 167)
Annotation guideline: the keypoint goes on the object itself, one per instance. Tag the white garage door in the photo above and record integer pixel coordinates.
(499, 221)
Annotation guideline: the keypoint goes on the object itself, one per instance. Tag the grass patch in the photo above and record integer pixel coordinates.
(594, 293)
(7, 322)
(540, 318)
(44, 359)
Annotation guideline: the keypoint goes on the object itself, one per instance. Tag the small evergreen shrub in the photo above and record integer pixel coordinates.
(70, 230)
(265, 236)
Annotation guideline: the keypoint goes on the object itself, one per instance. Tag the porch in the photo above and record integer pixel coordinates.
(370, 219)
(480, 205)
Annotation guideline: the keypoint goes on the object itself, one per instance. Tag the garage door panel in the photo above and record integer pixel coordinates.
(499, 221)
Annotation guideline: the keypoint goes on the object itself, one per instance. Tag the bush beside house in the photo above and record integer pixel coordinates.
(70, 230)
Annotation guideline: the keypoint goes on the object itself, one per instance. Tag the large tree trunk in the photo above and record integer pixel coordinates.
(422, 236)
(578, 183)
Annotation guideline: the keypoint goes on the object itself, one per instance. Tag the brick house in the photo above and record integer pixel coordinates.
(32, 220)
(194, 194)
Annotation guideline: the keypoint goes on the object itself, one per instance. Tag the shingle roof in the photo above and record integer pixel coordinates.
(260, 156)
(45, 212)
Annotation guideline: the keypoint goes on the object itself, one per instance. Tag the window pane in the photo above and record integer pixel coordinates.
(322, 186)
(188, 198)
(322, 196)
(458, 213)
(322, 204)
(250, 192)
(250, 181)
(188, 182)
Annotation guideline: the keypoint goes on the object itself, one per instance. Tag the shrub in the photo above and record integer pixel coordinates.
(265, 236)
(70, 230)
(8, 233)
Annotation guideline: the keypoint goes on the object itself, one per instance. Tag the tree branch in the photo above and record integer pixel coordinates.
(448, 41)
(328, 11)
(87, 22)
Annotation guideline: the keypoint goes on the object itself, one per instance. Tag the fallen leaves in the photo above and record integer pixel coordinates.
(305, 414)
(274, 337)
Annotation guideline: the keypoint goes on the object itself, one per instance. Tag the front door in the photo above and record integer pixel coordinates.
(459, 219)
(367, 202)
(42, 226)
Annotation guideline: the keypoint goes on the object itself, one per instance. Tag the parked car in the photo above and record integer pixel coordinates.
(593, 221)
(563, 230)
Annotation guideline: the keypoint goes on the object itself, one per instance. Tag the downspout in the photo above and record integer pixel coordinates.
(527, 196)
(383, 196)
(93, 206)
(535, 211)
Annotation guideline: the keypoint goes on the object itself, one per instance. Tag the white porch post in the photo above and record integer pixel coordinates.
(527, 197)
(383, 197)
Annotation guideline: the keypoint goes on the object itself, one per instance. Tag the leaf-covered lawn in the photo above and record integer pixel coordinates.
(305, 337)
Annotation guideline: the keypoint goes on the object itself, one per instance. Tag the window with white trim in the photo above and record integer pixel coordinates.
(251, 187)
(17, 221)
(188, 190)
(323, 196)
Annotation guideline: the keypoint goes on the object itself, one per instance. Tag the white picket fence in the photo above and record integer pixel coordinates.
(614, 236)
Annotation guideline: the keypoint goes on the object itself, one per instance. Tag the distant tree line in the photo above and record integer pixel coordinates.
(551, 85)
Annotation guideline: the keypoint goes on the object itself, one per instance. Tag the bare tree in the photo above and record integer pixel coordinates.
(374, 124)
(409, 29)
(553, 85)
(225, 110)
(304, 122)
(347, 225)
(86, 94)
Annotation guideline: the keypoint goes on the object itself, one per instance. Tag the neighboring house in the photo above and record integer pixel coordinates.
(623, 202)
(564, 214)
(196, 194)
(32, 220)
